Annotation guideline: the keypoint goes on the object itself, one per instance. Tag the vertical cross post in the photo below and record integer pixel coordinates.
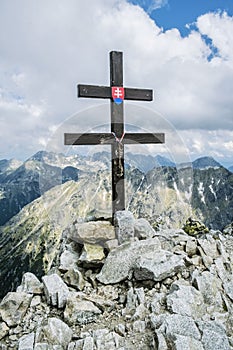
(117, 128)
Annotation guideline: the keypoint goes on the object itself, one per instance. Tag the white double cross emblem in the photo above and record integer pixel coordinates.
(118, 93)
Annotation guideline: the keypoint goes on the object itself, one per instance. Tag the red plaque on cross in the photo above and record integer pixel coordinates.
(118, 94)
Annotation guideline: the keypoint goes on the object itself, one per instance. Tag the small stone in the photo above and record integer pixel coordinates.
(124, 224)
(26, 342)
(56, 291)
(139, 326)
(120, 329)
(88, 344)
(35, 301)
(143, 229)
(4, 330)
(191, 248)
(228, 287)
(111, 244)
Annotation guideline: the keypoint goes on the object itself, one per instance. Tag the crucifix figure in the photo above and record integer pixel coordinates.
(117, 138)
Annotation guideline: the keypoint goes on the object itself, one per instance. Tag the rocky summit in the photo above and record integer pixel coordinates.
(132, 288)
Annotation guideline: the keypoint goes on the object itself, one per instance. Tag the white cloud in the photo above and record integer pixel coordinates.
(53, 45)
(218, 27)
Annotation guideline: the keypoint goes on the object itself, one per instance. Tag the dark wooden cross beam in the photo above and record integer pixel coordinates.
(117, 138)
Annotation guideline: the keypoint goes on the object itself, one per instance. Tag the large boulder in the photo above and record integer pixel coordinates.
(120, 262)
(93, 232)
(158, 265)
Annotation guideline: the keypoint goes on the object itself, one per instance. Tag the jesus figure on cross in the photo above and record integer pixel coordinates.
(117, 138)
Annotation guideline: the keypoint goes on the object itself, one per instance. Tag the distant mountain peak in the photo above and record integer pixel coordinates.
(206, 162)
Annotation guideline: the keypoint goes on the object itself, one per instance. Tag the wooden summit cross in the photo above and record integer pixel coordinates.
(117, 138)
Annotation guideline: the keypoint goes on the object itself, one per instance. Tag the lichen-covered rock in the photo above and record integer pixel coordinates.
(194, 227)
(13, 307)
(92, 254)
(158, 265)
(120, 262)
(56, 291)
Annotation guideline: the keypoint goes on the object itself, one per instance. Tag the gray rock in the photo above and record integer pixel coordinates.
(4, 330)
(94, 232)
(120, 262)
(221, 270)
(26, 342)
(208, 244)
(185, 300)
(112, 244)
(74, 278)
(30, 284)
(88, 343)
(55, 332)
(213, 336)
(105, 340)
(181, 325)
(42, 346)
(124, 223)
(210, 286)
(68, 259)
(228, 287)
(191, 247)
(228, 229)
(139, 326)
(13, 307)
(80, 311)
(56, 291)
(179, 342)
(142, 229)
(160, 341)
(158, 265)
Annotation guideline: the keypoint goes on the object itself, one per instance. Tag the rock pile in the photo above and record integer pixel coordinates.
(149, 290)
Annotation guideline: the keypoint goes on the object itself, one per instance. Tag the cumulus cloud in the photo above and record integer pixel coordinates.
(51, 46)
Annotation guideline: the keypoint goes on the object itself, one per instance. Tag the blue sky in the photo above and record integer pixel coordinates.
(170, 14)
(183, 50)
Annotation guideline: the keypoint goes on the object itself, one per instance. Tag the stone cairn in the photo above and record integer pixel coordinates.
(129, 288)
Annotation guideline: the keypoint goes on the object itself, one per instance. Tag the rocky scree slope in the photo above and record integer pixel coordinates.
(129, 288)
